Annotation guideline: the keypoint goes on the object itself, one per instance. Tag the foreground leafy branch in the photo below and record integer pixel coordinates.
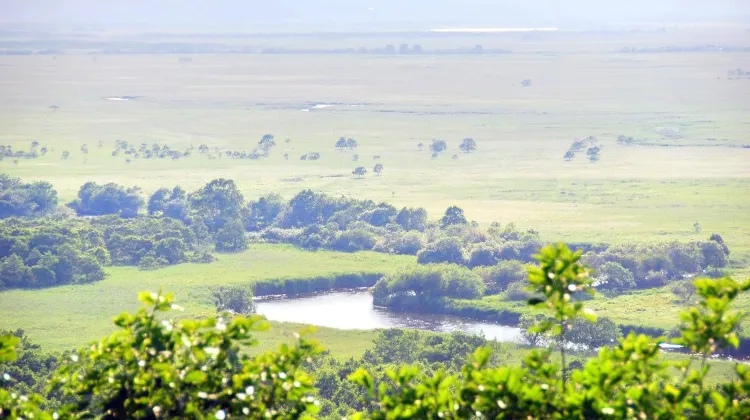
(157, 367)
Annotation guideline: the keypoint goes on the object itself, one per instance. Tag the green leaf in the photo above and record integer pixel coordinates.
(196, 377)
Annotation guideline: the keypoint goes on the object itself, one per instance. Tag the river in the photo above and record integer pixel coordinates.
(353, 310)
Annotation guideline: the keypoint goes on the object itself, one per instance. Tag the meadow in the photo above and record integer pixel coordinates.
(581, 87)
(62, 318)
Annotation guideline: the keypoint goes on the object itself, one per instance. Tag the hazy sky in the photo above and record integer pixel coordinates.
(329, 13)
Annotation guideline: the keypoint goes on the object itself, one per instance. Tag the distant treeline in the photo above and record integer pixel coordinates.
(212, 48)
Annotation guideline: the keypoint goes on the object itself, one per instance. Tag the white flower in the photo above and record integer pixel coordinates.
(55, 416)
(6, 377)
(221, 415)
(297, 384)
(572, 287)
(74, 357)
(142, 363)
(154, 296)
(167, 325)
(501, 404)
(242, 396)
(481, 388)
(310, 399)
(177, 307)
(245, 411)
(202, 395)
(545, 387)
(282, 375)
(212, 351)
(551, 275)
(608, 411)
(286, 386)
(111, 380)
(221, 326)
(250, 390)
(157, 410)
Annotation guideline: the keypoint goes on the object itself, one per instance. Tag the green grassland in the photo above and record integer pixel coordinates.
(389, 104)
(64, 317)
(581, 87)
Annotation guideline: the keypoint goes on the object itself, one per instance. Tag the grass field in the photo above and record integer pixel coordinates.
(581, 87)
(64, 317)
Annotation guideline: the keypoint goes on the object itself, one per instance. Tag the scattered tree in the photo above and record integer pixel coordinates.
(360, 171)
(378, 168)
(468, 145)
(454, 215)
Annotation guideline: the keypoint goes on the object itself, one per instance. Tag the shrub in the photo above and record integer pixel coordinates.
(236, 300)
(354, 240)
(498, 277)
(445, 250)
(517, 291)
(613, 276)
(427, 285)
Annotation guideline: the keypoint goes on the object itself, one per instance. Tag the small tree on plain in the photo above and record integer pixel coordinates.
(65, 154)
(360, 171)
(438, 145)
(378, 168)
(468, 145)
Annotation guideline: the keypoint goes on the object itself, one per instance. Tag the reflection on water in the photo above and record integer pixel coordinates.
(350, 310)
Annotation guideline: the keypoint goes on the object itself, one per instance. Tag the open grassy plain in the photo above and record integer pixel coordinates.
(64, 317)
(581, 87)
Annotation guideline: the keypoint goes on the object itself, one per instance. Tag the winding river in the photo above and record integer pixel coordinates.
(353, 310)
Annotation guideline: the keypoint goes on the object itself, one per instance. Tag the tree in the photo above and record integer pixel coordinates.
(95, 199)
(613, 276)
(217, 203)
(263, 212)
(65, 154)
(526, 82)
(600, 333)
(719, 240)
(448, 250)
(569, 155)
(378, 168)
(713, 254)
(593, 153)
(468, 145)
(360, 171)
(231, 237)
(173, 250)
(438, 145)
(420, 146)
(236, 300)
(412, 218)
(14, 273)
(527, 323)
(684, 290)
(85, 149)
(454, 215)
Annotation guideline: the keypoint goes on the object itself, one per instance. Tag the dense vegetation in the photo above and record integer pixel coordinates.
(155, 366)
(174, 226)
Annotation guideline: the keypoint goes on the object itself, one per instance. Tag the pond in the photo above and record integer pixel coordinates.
(353, 310)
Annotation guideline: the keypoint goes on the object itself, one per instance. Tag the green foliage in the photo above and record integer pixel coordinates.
(427, 286)
(20, 199)
(498, 277)
(599, 333)
(235, 300)
(613, 276)
(454, 215)
(444, 250)
(94, 199)
(157, 367)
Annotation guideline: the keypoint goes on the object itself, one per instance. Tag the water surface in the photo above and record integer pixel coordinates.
(353, 310)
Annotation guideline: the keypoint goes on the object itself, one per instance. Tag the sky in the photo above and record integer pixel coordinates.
(342, 13)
